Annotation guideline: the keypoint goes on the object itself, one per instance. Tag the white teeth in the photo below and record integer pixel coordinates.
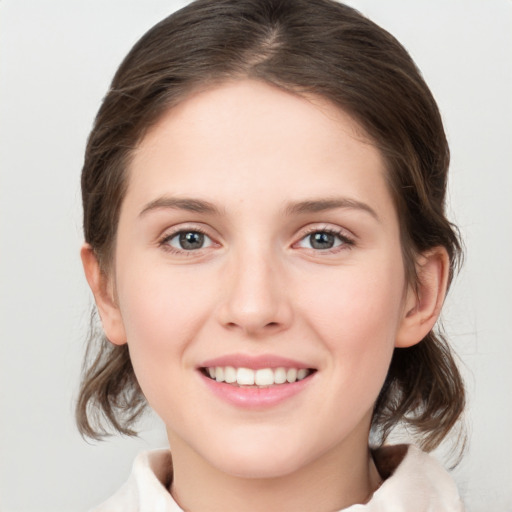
(302, 374)
(219, 374)
(245, 377)
(229, 374)
(291, 375)
(263, 377)
(280, 375)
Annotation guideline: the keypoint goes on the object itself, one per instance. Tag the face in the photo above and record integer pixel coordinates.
(259, 278)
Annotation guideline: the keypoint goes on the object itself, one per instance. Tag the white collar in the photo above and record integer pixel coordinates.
(417, 482)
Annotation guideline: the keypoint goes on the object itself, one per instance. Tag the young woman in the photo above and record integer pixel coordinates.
(266, 241)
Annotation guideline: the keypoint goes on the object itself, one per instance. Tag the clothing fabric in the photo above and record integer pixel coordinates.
(414, 482)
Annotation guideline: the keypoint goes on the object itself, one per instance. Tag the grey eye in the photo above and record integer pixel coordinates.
(190, 240)
(323, 240)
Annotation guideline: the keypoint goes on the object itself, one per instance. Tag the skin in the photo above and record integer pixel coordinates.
(258, 286)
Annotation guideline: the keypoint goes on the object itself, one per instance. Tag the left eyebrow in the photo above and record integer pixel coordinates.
(185, 203)
(321, 205)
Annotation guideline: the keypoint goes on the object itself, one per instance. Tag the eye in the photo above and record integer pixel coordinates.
(188, 240)
(324, 240)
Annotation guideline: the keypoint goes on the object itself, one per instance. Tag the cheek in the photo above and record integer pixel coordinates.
(162, 311)
(357, 316)
(159, 300)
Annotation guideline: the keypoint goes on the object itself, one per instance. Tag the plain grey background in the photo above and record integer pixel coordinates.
(56, 61)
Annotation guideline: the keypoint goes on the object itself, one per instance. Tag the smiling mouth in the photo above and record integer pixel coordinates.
(261, 378)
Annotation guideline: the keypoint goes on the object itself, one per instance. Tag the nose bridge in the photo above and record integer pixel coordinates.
(255, 298)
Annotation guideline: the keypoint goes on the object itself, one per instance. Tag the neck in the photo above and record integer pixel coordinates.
(344, 476)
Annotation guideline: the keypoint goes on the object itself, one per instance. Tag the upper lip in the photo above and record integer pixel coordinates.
(254, 362)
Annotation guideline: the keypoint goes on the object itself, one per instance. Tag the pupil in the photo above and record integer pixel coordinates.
(321, 240)
(191, 240)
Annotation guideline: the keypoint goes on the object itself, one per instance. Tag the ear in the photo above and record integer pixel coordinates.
(102, 289)
(423, 303)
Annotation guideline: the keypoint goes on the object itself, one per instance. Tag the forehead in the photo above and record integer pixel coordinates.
(239, 139)
(238, 105)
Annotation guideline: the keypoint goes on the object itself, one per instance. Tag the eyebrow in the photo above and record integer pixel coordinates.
(301, 207)
(187, 204)
(321, 205)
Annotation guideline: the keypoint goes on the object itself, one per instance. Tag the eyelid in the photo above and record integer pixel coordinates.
(170, 233)
(347, 238)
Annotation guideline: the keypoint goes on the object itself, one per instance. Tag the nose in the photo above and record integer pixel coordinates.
(254, 299)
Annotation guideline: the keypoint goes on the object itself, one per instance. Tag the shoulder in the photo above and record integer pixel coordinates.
(414, 480)
(146, 488)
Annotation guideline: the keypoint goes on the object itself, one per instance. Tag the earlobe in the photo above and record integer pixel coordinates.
(101, 288)
(423, 303)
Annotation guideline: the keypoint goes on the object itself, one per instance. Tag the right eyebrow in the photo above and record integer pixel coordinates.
(321, 205)
(185, 203)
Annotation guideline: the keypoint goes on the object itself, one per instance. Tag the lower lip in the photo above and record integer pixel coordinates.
(253, 397)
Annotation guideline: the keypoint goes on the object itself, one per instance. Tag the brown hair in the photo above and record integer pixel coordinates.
(316, 47)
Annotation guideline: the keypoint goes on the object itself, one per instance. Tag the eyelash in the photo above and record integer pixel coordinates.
(164, 241)
(346, 242)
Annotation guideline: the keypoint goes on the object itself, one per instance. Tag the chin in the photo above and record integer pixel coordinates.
(257, 458)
